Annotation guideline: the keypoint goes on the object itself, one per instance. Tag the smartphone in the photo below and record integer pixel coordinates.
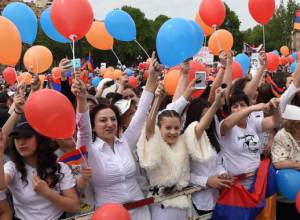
(45, 85)
(200, 77)
(75, 63)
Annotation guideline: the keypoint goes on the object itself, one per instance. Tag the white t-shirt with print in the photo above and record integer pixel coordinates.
(28, 204)
(240, 147)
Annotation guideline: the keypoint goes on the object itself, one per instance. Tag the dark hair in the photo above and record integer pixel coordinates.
(47, 166)
(237, 97)
(100, 107)
(3, 97)
(167, 114)
(265, 93)
(239, 85)
(194, 113)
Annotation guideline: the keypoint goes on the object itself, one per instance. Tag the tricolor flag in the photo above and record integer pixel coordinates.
(297, 20)
(74, 157)
(256, 203)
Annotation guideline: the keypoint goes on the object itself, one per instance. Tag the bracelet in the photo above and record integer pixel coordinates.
(18, 113)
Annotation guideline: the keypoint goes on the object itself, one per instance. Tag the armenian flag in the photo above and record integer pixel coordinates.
(297, 20)
(88, 63)
(74, 157)
(257, 203)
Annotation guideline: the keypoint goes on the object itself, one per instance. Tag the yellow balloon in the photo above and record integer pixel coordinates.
(38, 59)
(10, 42)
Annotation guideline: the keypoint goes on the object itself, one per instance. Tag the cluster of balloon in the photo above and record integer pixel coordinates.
(11, 46)
(120, 25)
(99, 37)
(37, 59)
(220, 40)
(206, 29)
(42, 104)
(49, 28)
(24, 19)
(287, 183)
(290, 59)
(177, 40)
(72, 19)
(111, 212)
(276, 52)
(244, 61)
(10, 75)
(26, 77)
(261, 10)
(272, 62)
(282, 60)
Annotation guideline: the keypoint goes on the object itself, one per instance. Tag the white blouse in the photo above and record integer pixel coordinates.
(114, 173)
(200, 172)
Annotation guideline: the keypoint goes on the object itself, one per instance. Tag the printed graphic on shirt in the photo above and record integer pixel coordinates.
(250, 143)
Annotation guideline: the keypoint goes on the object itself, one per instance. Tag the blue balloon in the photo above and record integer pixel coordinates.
(293, 67)
(49, 29)
(288, 183)
(96, 81)
(91, 75)
(56, 86)
(69, 73)
(24, 19)
(120, 25)
(244, 60)
(276, 52)
(199, 37)
(294, 55)
(175, 41)
(129, 72)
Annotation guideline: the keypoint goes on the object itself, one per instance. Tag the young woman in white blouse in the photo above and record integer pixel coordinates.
(41, 187)
(110, 152)
(164, 153)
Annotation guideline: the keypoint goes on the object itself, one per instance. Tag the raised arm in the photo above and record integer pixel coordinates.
(236, 117)
(251, 87)
(134, 129)
(228, 74)
(183, 81)
(206, 120)
(274, 120)
(219, 78)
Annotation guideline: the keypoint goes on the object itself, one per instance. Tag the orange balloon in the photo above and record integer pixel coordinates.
(98, 36)
(171, 80)
(110, 68)
(10, 40)
(206, 29)
(38, 59)
(220, 40)
(109, 74)
(284, 50)
(27, 77)
(118, 74)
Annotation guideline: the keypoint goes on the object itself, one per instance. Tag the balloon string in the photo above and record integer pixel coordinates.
(142, 48)
(219, 45)
(264, 37)
(73, 53)
(116, 57)
(205, 41)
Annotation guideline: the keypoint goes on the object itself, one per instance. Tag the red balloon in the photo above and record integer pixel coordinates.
(194, 67)
(72, 18)
(290, 59)
(111, 212)
(50, 113)
(212, 12)
(10, 75)
(272, 62)
(282, 60)
(298, 201)
(146, 74)
(261, 10)
(133, 81)
(237, 70)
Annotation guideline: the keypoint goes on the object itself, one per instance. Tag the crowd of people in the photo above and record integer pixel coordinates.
(140, 140)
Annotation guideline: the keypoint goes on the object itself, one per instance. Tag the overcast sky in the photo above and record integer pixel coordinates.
(172, 8)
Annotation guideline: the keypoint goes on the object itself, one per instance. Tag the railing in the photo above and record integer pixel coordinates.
(158, 199)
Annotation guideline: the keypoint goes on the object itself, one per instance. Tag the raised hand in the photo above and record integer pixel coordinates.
(223, 59)
(78, 88)
(35, 83)
(64, 67)
(19, 98)
(262, 58)
(185, 67)
(220, 96)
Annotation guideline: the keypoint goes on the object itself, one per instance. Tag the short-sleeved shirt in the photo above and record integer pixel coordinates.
(240, 147)
(28, 204)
